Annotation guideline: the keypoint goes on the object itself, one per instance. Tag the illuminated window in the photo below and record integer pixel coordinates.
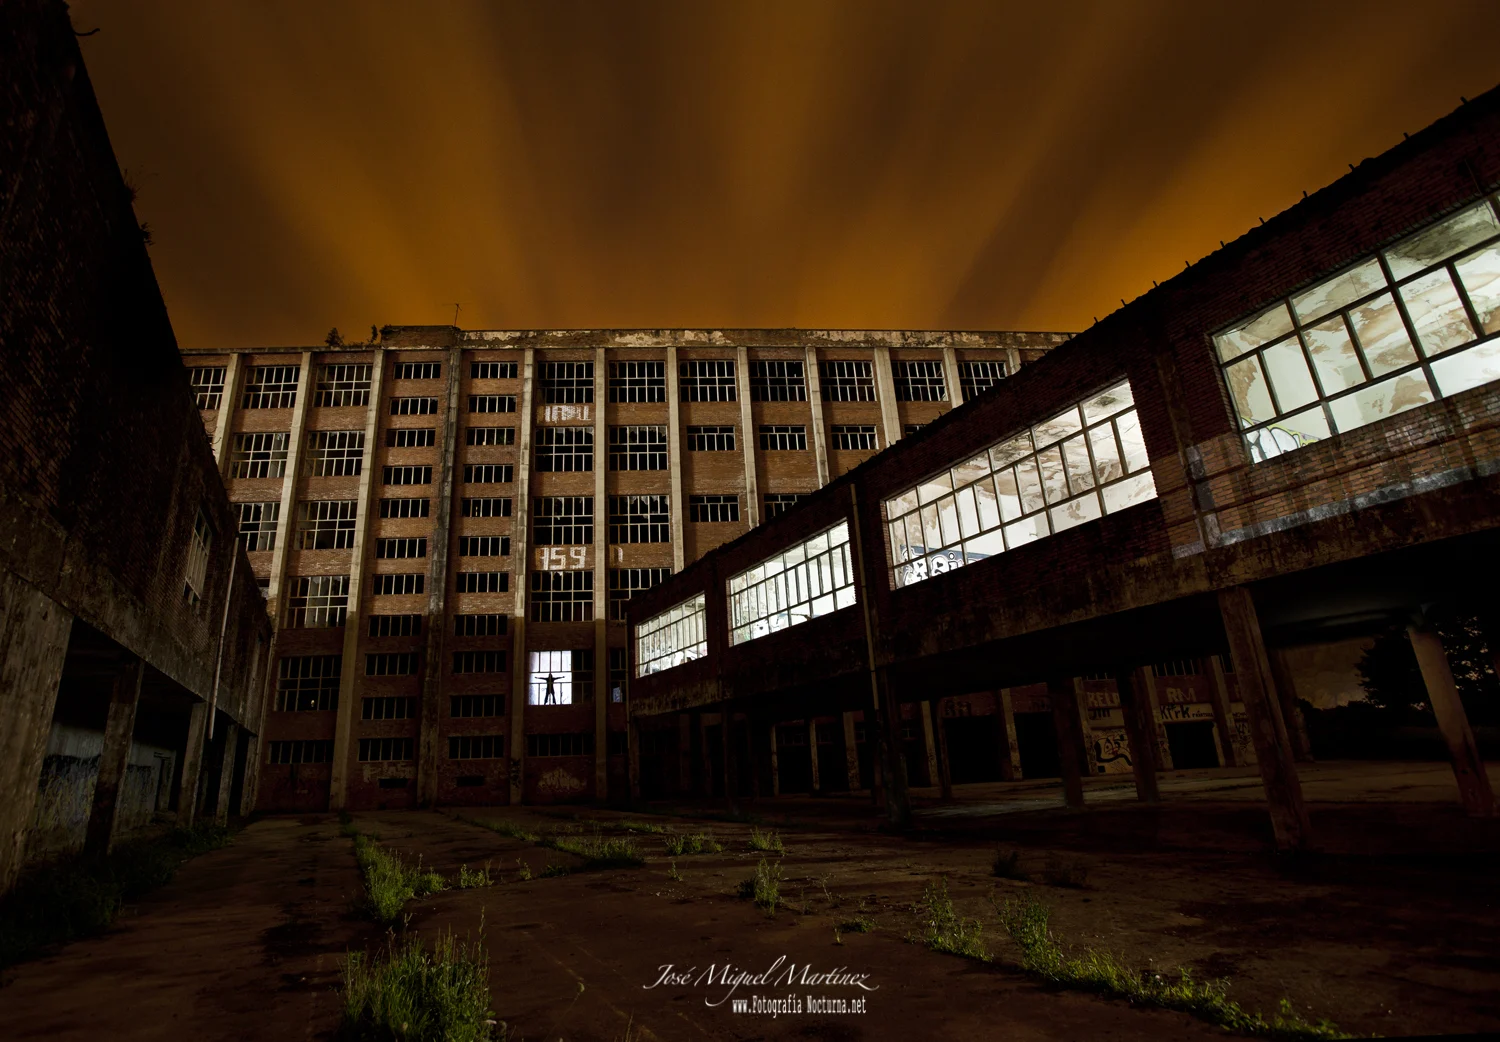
(677, 635)
(207, 382)
(706, 381)
(557, 676)
(333, 454)
(257, 528)
(919, 381)
(637, 448)
(806, 581)
(1395, 331)
(1085, 462)
(317, 601)
(637, 381)
(271, 387)
(777, 382)
(978, 377)
(567, 383)
(341, 386)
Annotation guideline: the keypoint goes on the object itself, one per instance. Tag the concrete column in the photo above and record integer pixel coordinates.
(254, 754)
(349, 667)
(929, 743)
(286, 524)
(1291, 712)
(435, 665)
(1010, 748)
(633, 758)
(226, 772)
(812, 753)
(775, 765)
(885, 391)
(192, 764)
(234, 379)
(1229, 754)
(731, 764)
(1474, 789)
(945, 767)
(114, 759)
(747, 424)
(34, 632)
(1273, 749)
(520, 544)
(1139, 731)
(601, 581)
(684, 754)
(891, 761)
(851, 754)
(1088, 761)
(1069, 737)
(676, 503)
(708, 760)
(951, 377)
(1155, 733)
(819, 431)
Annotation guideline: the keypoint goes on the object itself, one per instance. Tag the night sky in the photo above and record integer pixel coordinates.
(814, 163)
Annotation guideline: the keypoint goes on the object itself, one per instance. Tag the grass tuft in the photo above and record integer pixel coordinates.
(600, 851)
(524, 870)
(507, 828)
(643, 826)
(79, 897)
(672, 873)
(553, 869)
(1107, 974)
(474, 880)
(680, 843)
(389, 881)
(412, 993)
(859, 924)
(947, 931)
(768, 841)
(764, 887)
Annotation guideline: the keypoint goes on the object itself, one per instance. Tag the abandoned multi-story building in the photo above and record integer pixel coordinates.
(448, 525)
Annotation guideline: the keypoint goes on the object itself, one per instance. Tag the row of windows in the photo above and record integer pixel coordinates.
(490, 624)
(340, 385)
(460, 747)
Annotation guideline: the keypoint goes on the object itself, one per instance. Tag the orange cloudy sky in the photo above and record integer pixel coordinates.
(813, 163)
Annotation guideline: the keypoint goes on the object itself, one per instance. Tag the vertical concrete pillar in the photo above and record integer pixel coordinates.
(945, 768)
(731, 761)
(675, 503)
(234, 378)
(1149, 705)
(34, 632)
(192, 764)
(349, 666)
(892, 762)
(1229, 754)
(227, 768)
(929, 743)
(633, 751)
(885, 391)
(435, 664)
(812, 753)
(286, 524)
(819, 432)
(114, 759)
(1069, 738)
(1273, 749)
(601, 581)
(1291, 710)
(520, 543)
(1140, 733)
(254, 754)
(775, 765)
(684, 754)
(1088, 756)
(951, 377)
(1010, 748)
(1474, 789)
(708, 760)
(747, 422)
(851, 754)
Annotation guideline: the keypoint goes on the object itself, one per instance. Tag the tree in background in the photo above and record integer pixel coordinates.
(1388, 671)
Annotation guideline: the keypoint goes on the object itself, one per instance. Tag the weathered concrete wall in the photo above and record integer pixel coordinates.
(66, 789)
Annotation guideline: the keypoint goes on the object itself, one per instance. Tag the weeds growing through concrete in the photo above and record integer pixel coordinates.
(945, 930)
(468, 880)
(680, 843)
(1107, 974)
(553, 869)
(764, 887)
(859, 924)
(389, 881)
(600, 851)
(768, 841)
(525, 870)
(506, 828)
(412, 993)
(642, 826)
(78, 897)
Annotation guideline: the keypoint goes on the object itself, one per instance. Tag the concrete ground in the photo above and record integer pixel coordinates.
(1393, 929)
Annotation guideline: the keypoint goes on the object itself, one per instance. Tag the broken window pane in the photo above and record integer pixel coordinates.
(1106, 455)
(1008, 452)
(1247, 386)
(1262, 329)
(1382, 334)
(1339, 291)
(1108, 403)
(1057, 428)
(1030, 484)
(1080, 471)
(1442, 241)
(1480, 274)
(971, 470)
(1379, 400)
(1054, 479)
(1437, 313)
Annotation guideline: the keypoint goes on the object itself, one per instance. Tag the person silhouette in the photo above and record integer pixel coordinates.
(550, 698)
